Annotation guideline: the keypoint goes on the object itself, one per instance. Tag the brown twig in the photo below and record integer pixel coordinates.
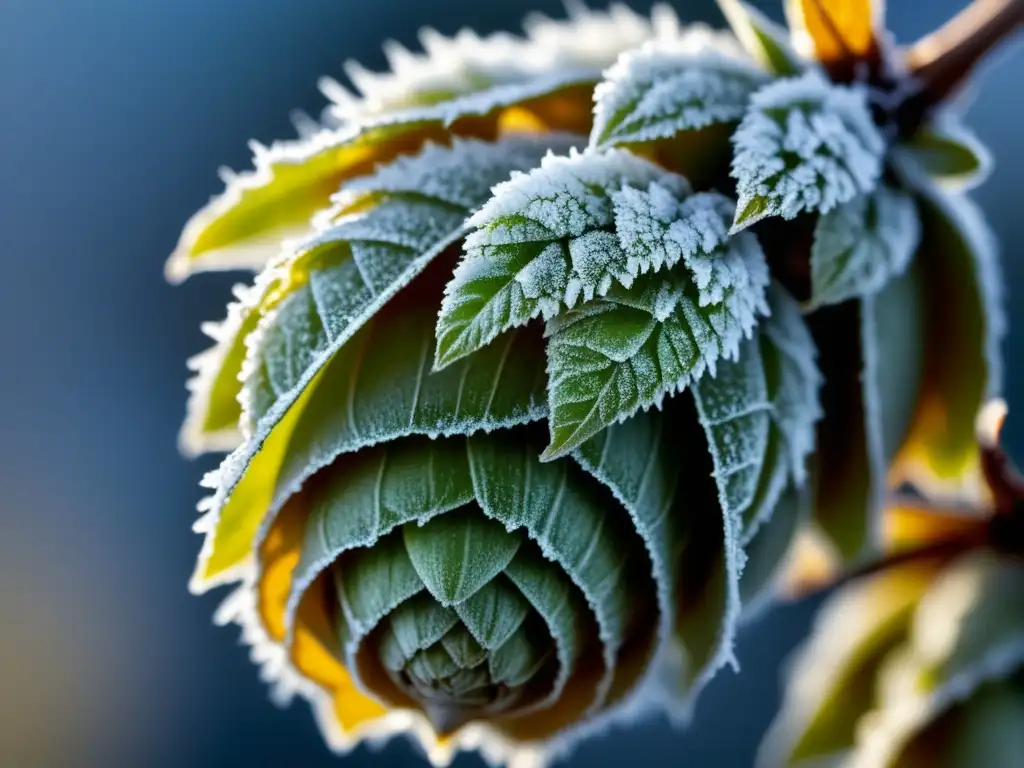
(941, 61)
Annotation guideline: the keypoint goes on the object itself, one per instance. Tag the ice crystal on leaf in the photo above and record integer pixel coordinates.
(560, 211)
(628, 350)
(804, 145)
(663, 89)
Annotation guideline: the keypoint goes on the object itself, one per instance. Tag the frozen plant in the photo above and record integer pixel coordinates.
(559, 344)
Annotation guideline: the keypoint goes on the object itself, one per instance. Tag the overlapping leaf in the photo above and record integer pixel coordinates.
(540, 243)
(621, 353)
(332, 288)
(662, 90)
(763, 39)
(804, 145)
(860, 245)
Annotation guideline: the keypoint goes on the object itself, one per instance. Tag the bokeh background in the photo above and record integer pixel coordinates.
(114, 115)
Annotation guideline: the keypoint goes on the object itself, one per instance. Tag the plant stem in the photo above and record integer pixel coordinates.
(941, 61)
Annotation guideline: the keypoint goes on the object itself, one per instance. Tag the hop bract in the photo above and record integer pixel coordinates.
(521, 402)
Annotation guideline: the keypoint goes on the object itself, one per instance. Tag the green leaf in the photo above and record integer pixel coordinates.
(356, 502)
(540, 243)
(458, 553)
(495, 612)
(288, 354)
(831, 683)
(872, 364)
(639, 460)
(676, 86)
(804, 145)
(577, 527)
(372, 581)
(860, 245)
(765, 41)
(964, 321)
(244, 226)
(734, 410)
(793, 382)
(420, 622)
(947, 152)
(626, 351)
(767, 551)
(383, 378)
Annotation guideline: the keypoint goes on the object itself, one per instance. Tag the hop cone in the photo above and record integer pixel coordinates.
(521, 402)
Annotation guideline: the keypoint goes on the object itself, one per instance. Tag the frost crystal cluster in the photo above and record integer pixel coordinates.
(558, 346)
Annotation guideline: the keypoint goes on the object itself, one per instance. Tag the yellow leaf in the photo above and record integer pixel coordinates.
(835, 30)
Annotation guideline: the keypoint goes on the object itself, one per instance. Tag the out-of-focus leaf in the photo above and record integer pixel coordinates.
(968, 629)
(831, 680)
(963, 316)
(763, 39)
(860, 245)
(947, 152)
(836, 30)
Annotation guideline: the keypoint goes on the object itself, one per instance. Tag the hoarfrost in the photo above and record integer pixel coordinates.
(804, 145)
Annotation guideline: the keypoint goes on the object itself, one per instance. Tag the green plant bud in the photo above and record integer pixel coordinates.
(521, 403)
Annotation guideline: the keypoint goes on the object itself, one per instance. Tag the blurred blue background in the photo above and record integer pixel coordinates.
(114, 115)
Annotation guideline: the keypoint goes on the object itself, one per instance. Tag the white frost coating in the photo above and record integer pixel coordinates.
(195, 438)
(658, 231)
(588, 41)
(561, 210)
(796, 405)
(460, 174)
(667, 87)
(567, 196)
(862, 244)
(804, 145)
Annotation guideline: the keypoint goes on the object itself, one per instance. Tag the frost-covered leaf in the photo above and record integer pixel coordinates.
(588, 41)
(382, 378)
(860, 245)
(804, 145)
(244, 227)
(733, 409)
(968, 629)
(626, 351)
(763, 39)
(833, 31)
(213, 412)
(793, 383)
(947, 152)
(662, 90)
(831, 681)
(963, 327)
(540, 242)
(458, 553)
